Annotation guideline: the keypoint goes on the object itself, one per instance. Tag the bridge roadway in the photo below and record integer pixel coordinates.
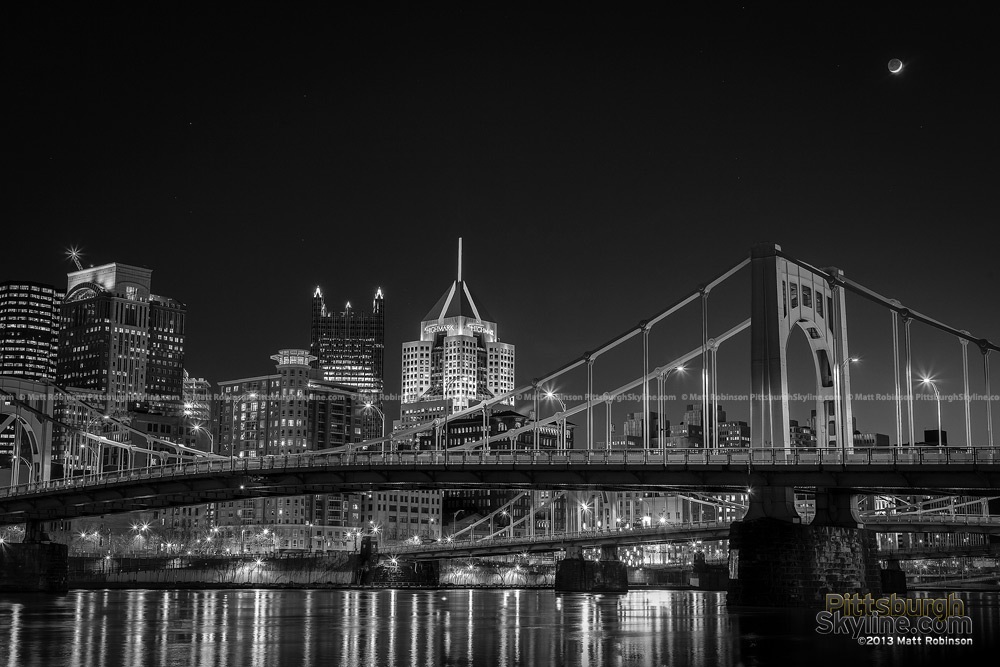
(696, 530)
(965, 471)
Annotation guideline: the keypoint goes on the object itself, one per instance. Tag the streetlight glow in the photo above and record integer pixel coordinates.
(937, 396)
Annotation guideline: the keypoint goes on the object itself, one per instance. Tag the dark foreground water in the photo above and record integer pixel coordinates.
(270, 628)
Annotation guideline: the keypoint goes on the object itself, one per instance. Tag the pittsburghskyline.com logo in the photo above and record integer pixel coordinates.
(896, 620)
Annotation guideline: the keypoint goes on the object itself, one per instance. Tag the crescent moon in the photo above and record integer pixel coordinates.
(895, 65)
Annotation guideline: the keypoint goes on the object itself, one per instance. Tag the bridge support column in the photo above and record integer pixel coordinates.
(36, 565)
(835, 507)
(774, 563)
(608, 575)
(404, 573)
(893, 578)
(365, 561)
(774, 502)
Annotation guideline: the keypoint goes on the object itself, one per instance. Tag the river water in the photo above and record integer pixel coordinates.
(432, 628)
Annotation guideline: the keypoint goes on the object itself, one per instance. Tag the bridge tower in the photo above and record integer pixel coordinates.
(788, 295)
(773, 558)
(26, 408)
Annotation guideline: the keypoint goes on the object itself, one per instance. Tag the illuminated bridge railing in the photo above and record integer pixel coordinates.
(668, 531)
(931, 519)
(671, 458)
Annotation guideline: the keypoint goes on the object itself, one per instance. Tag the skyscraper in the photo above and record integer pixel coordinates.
(119, 340)
(457, 362)
(459, 358)
(349, 349)
(29, 329)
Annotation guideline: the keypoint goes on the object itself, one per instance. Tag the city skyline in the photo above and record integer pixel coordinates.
(593, 181)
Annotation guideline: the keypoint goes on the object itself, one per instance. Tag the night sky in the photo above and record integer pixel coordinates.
(598, 165)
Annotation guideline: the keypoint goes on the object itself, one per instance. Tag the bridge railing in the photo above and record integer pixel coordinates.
(668, 458)
(579, 536)
(950, 519)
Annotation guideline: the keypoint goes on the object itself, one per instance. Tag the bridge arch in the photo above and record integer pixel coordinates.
(789, 295)
(22, 404)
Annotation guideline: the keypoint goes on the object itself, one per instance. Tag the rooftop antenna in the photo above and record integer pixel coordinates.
(74, 254)
(459, 259)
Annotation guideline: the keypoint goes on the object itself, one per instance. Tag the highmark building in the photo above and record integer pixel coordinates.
(458, 360)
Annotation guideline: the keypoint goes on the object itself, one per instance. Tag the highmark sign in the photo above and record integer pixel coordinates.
(474, 327)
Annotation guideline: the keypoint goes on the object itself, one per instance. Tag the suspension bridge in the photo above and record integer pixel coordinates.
(787, 297)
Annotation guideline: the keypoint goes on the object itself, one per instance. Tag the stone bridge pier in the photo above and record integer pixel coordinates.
(776, 561)
(36, 565)
(575, 574)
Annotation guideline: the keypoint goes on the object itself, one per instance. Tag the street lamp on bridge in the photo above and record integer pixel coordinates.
(552, 396)
(660, 405)
(937, 397)
(846, 430)
(371, 406)
(198, 428)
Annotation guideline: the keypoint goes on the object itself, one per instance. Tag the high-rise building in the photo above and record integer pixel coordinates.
(199, 424)
(120, 341)
(691, 431)
(801, 435)
(29, 329)
(165, 363)
(734, 435)
(349, 349)
(459, 357)
(457, 362)
(288, 412)
(634, 429)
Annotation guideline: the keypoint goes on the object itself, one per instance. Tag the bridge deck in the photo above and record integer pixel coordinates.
(968, 471)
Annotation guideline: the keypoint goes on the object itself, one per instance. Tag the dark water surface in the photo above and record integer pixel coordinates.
(268, 628)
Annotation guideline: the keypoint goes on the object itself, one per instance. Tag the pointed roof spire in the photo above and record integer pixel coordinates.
(459, 259)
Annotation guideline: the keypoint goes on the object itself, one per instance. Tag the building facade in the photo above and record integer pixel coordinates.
(124, 347)
(291, 411)
(200, 425)
(459, 357)
(29, 329)
(349, 349)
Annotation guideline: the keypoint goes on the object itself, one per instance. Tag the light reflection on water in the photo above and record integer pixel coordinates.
(268, 628)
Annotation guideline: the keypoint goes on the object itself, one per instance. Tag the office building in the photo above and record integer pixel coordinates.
(291, 411)
(458, 358)
(29, 329)
(124, 347)
(349, 349)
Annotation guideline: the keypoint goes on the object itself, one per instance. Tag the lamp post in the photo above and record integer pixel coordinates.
(454, 520)
(660, 403)
(584, 508)
(937, 398)
(198, 428)
(551, 395)
(99, 452)
(371, 406)
(845, 429)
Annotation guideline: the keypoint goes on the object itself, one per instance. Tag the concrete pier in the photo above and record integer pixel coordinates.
(608, 575)
(34, 568)
(893, 579)
(774, 563)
